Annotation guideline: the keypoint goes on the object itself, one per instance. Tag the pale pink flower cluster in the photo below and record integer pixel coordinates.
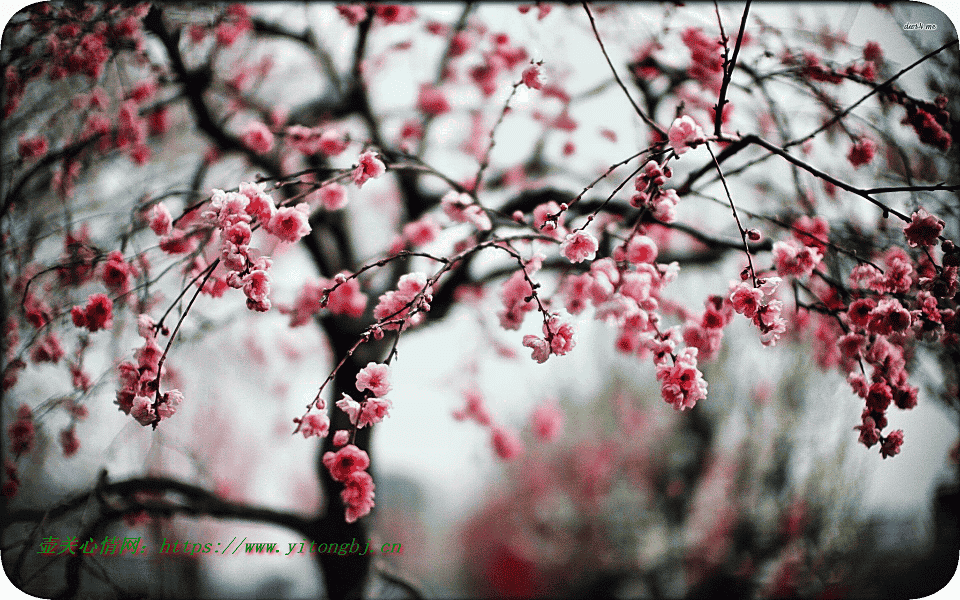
(579, 246)
(558, 339)
(314, 140)
(232, 214)
(412, 293)
(333, 196)
(138, 395)
(685, 134)
(547, 421)
(462, 209)
(641, 249)
(681, 382)
(258, 137)
(96, 315)
(346, 299)
(116, 273)
(649, 193)
(555, 229)
(370, 167)
(420, 232)
(315, 425)
(534, 77)
(896, 278)
(793, 259)
(172, 240)
(515, 293)
(432, 101)
(161, 222)
(506, 443)
(290, 223)
(758, 305)
(348, 466)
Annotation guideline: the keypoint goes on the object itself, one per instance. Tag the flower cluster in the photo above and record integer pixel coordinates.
(760, 306)
(96, 315)
(557, 339)
(649, 194)
(406, 304)
(681, 382)
(348, 466)
(345, 299)
(685, 134)
(139, 394)
(462, 209)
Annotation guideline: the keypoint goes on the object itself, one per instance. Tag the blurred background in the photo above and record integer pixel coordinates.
(761, 491)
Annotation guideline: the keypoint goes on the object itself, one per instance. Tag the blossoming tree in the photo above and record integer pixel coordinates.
(833, 223)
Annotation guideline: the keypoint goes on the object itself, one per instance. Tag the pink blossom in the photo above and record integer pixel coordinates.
(116, 273)
(461, 208)
(348, 300)
(161, 221)
(345, 461)
(370, 167)
(374, 410)
(290, 223)
(256, 285)
(432, 101)
(682, 383)
(260, 203)
(394, 305)
(505, 442)
(353, 13)
(333, 196)
(357, 495)
(862, 152)
(395, 13)
(332, 142)
(772, 326)
(547, 421)
(890, 446)
(142, 410)
(475, 409)
(96, 315)
(22, 432)
(579, 246)
(533, 76)
(562, 340)
(69, 441)
(47, 349)
(305, 140)
(178, 243)
(685, 134)
(641, 249)
(258, 137)
(421, 232)
(869, 434)
(34, 147)
(351, 407)
(341, 437)
(374, 377)
(793, 259)
(540, 347)
(746, 299)
(169, 403)
(314, 425)
(923, 229)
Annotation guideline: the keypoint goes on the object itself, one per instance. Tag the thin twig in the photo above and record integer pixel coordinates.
(639, 111)
(728, 67)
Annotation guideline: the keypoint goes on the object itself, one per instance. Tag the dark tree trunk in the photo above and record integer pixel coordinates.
(344, 576)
